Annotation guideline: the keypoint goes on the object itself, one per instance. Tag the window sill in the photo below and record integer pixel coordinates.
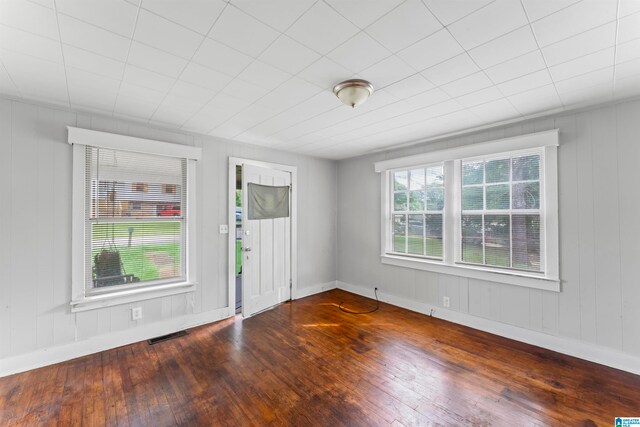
(507, 277)
(130, 295)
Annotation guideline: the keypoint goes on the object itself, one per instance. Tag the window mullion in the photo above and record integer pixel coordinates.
(451, 219)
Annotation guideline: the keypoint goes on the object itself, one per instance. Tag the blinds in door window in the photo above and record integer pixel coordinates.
(135, 217)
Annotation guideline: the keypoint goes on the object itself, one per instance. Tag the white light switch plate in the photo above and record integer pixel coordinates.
(224, 229)
(136, 313)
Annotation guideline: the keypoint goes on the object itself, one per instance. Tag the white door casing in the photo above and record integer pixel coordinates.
(266, 248)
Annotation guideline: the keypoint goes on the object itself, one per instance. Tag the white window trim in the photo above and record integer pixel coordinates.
(548, 142)
(81, 300)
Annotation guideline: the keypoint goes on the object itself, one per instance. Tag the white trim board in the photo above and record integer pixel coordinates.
(521, 142)
(49, 356)
(130, 143)
(314, 289)
(582, 350)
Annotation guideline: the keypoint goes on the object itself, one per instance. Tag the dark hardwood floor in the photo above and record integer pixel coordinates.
(308, 363)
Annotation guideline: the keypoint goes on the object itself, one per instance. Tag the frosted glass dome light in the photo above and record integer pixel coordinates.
(353, 92)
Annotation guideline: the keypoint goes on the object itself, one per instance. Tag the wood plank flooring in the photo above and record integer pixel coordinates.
(308, 363)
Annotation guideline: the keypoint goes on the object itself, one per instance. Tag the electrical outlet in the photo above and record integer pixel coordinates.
(224, 229)
(446, 302)
(136, 313)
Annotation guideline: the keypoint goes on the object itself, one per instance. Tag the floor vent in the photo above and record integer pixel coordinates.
(156, 340)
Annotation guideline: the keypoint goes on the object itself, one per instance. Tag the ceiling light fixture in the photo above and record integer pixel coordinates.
(353, 92)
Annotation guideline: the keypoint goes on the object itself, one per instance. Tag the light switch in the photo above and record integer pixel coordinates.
(224, 229)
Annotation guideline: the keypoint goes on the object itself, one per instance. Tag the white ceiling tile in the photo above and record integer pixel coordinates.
(579, 17)
(359, 52)
(325, 73)
(198, 15)
(404, 25)
(629, 28)
(279, 14)
(495, 111)
(197, 94)
(117, 16)
(585, 81)
(30, 44)
(628, 51)
(513, 68)
(137, 104)
(149, 79)
(627, 7)
(449, 11)
(627, 87)
(410, 86)
(264, 75)
(288, 55)
(363, 12)
(431, 51)
(89, 90)
(387, 71)
(166, 35)
(536, 100)
(482, 96)
(537, 9)
(582, 44)
(599, 93)
(240, 31)
(322, 29)
(244, 91)
(525, 83)
(467, 84)
(439, 109)
(77, 33)
(152, 59)
(6, 84)
(427, 98)
(218, 110)
(36, 78)
(488, 23)
(450, 70)
(628, 69)
(585, 64)
(205, 77)
(289, 94)
(175, 111)
(30, 17)
(94, 63)
(511, 45)
(219, 57)
(46, 3)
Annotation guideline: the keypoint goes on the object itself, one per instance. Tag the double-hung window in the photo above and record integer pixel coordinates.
(486, 211)
(132, 239)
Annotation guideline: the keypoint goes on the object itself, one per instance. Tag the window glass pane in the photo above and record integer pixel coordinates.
(433, 234)
(526, 168)
(526, 195)
(416, 200)
(497, 170)
(400, 201)
(498, 196)
(435, 176)
(416, 179)
(415, 236)
(497, 240)
(132, 252)
(526, 242)
(472, 239)
(399, 233)
(435, 199)
(472, 173)
(472, 198)
(400, 180)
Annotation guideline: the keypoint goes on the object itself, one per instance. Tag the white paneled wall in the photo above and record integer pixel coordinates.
(599, 235)
(35, 230)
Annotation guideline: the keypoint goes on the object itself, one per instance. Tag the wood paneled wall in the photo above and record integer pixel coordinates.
(35, 227)
(599, 197)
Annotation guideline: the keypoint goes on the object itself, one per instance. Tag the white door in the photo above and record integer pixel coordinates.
(266, 248)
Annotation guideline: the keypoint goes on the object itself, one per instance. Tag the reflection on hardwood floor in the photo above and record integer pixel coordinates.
(308, 363)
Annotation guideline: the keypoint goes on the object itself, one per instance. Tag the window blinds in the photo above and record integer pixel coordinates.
(135, 218)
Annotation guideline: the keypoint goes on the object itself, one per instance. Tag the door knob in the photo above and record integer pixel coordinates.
(247, 249)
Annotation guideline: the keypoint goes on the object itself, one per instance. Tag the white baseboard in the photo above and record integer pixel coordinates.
(582, 350)
(49, 356)
(315, 289)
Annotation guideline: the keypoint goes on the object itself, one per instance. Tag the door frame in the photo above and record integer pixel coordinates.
(231, 202)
